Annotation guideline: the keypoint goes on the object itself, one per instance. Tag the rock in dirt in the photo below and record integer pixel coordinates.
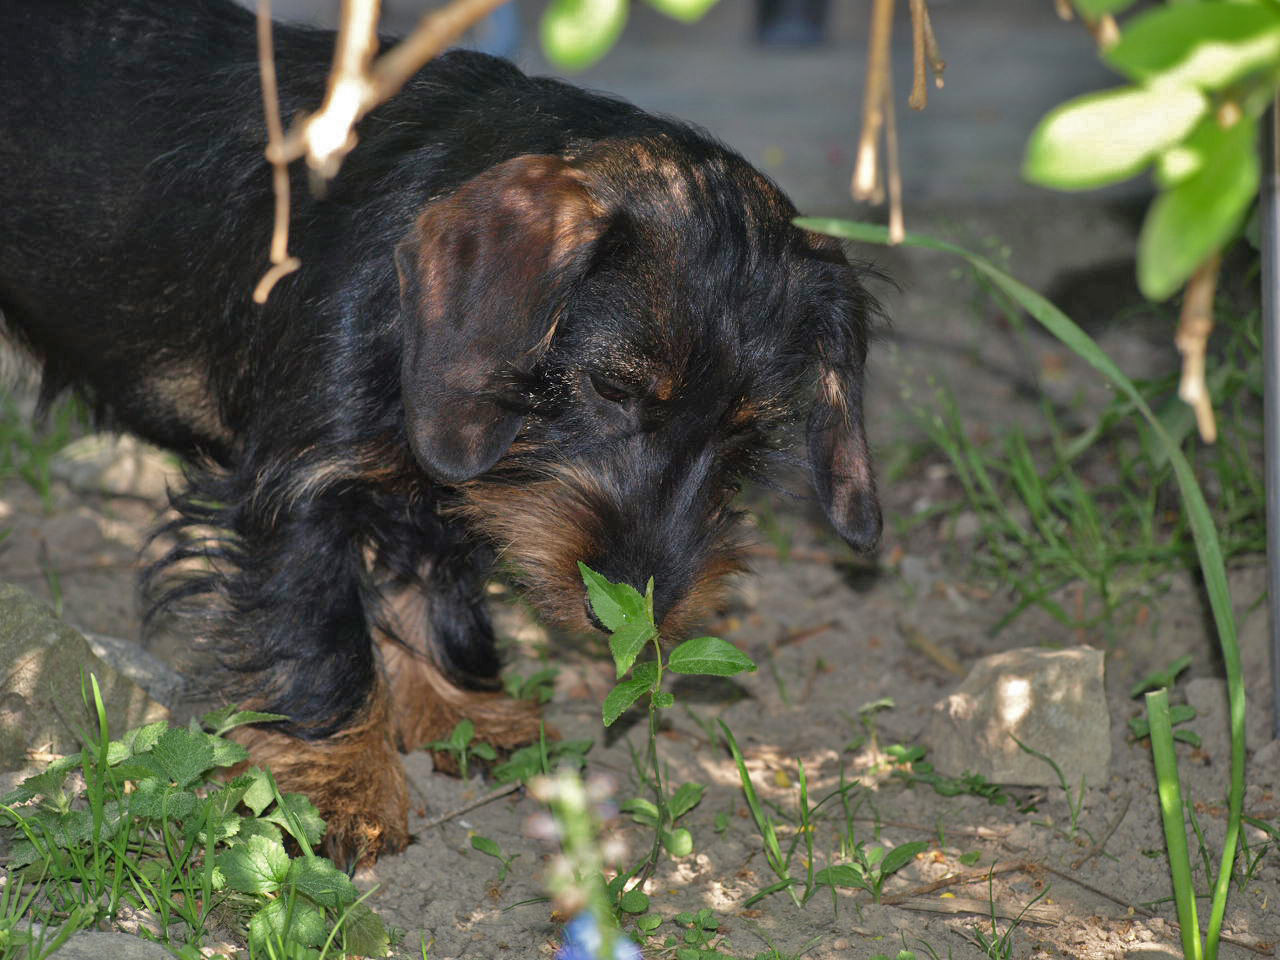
(1051, 700)
(40, 701)
(119, 466)
(94, 945)
(161, 682)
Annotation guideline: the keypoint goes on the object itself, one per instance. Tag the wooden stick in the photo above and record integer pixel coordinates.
(867, 185)
(1194, 326)
(282, 263)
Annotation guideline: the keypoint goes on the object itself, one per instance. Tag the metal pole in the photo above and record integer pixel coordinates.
(1270, 211)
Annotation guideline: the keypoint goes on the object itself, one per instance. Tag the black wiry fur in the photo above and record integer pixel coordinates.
(444, 384)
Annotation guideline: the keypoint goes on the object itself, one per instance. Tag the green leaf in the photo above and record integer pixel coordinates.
(900, 856)
(181, 756)
(1100, 138)
(616, 604)
(577, 33)
(485, 845)
(462, 734)
(689, 11)
(274, 923)
(298, 808)
(142, 739)
(629, 691)
(634, 900)
(364, 934)
(1161, 678)
(840, 875)
(627, 641)
(1207, 45)
(649, 922)
(157, 800)
(324, 883)
(709, 656)
(664, 700)
(642, 810)
(259, 795)
(258, 865)
(229, 717)
(227, 753)
(688, 796)
(1195, 218)
(679, 842)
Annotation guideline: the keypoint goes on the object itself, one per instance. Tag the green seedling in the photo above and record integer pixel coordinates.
(997, 944)
(153, 830)
(1164, 677)
(542, 758)
(1074, 804)
(462, 746)
(913, 768)
(491, 848)
(1251, 858)
(867, 721)
(870, 868)
(539, 686)
(701, 938)
(628, 615)
(1140, 727)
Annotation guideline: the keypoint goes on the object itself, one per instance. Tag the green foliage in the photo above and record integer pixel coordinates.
(539, 686)
(1201, 75)
(462, 746)
(912, 768)
(870, 867)
(577, 33)
(27, 451)
(542, 759)
(491, 848)
(154, 830)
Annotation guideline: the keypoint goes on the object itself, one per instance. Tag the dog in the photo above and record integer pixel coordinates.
(533, 326)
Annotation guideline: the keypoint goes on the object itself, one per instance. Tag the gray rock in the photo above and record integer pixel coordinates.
(40, 700)
(1051, 700)
(120, 466)
(94, 945)
(161, 681)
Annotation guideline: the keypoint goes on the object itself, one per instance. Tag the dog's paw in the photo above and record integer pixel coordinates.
(359, 838)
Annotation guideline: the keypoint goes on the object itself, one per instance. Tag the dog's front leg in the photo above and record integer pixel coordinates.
(296, 641)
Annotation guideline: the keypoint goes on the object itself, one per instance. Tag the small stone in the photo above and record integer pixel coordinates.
(1051, 700)
(93, 945)
(119, 466)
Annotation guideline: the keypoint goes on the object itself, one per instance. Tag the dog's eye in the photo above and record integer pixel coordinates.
(611, 390)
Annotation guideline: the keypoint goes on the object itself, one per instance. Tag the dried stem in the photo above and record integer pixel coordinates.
(897, 232)
(867, 185)
(282, 263)
(1105, 30)
(925, 54)
(1194, 327)
(1065, 10)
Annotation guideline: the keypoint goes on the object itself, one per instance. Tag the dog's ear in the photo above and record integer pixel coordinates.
(840, 460)
(481, 277)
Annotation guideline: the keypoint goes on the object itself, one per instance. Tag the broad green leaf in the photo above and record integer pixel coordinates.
(1161, 678)
(629, 691)
(229, 717)
(634, 900)
(688, 796)
(1100, 138)
(48, 783)
(484, 751)
(679, 842)
(688, 11)
(1206, 45)
(840, 875)
(227, 753)
(305, 924)
(157, 800)
(363, 933)
(249, 827)
(649, 922)
(180, 756)
(462, 734)
(259, 795)
(144, 738)
(709, 656)
(577, 33)
(1191, 220)
(627, 641)
(664, 700)
(644, 811)
(297, 808)
(616, 604)
(324, 883)
(258, 865)
(900, 856)
(1096, 8)
(485, 845)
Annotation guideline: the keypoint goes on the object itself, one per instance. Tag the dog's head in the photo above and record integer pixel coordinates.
(599, 351)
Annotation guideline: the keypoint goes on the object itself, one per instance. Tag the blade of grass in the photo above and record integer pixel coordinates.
(1175, 828)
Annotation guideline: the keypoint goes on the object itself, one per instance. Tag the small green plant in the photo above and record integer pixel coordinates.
(462, 746)
(912, 768)
(870, 868)
(153, 831)
(1075, 804)
(995, 943)
(490, 847)
(542, 759)
(539, 686)
(701, 937)
(628, 615)
(1179, 713)
(28, 451)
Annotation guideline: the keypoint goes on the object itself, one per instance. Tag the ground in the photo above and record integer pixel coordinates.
(833, 633)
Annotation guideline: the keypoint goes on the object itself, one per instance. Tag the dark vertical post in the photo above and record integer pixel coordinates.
(1270, 211)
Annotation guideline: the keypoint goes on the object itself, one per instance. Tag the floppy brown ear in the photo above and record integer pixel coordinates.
(840, 461)
(479, 275)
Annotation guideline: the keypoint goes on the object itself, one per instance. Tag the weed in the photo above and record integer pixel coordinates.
(152, 832)
(539, 686)
(913, 768)
(462, 746)
(542, 758)
(997, 944)
(28, 451)
(1074, 804)
(491, 848)
(870, 868)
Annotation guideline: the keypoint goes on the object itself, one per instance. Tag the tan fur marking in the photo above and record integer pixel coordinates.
(354, 778)
(425, 705)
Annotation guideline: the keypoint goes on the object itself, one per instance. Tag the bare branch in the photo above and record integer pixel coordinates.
(867, 185)
(897, 232)
(1194, 327)
(925, 54)
(280, 259)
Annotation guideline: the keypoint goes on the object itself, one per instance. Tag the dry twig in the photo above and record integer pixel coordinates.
(1194, 327)
(867, 186)
(925, 56)
(282, 263)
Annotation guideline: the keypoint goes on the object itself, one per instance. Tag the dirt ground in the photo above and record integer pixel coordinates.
(831, 635)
